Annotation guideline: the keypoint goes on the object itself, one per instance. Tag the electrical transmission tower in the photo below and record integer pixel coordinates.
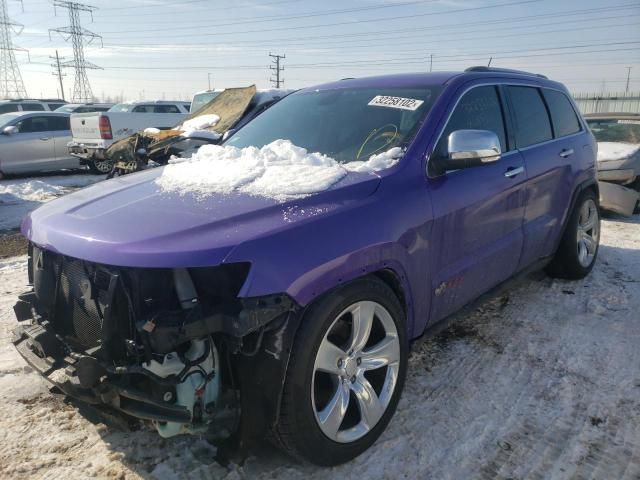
(79, 37)
(11, 84)
(277, 81)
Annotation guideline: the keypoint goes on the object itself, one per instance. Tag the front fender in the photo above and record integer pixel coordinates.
(381, 232)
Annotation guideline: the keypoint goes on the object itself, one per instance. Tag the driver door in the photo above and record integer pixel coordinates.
(31, 149)
(478, 211)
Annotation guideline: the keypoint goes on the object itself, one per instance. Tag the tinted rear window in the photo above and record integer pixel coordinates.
(563, 116)
(32, 107)
(532, 120)
(8, 108)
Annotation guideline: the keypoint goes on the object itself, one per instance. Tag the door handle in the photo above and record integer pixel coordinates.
(44, 138)
(513, 171)
(567, 152)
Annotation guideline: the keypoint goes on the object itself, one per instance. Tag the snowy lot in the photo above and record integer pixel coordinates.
(540, 382)
(21, 195)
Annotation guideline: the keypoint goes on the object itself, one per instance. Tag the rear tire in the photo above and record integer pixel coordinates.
(100, 167)
(580, 242)
(330, 412)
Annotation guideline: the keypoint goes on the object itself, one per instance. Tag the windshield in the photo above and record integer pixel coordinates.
(615, 130)
(346, 124)
(201, 99)
(7, 118)
(121, 107)
(69, 108)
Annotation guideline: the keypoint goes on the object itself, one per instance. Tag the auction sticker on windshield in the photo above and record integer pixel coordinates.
(396, 102)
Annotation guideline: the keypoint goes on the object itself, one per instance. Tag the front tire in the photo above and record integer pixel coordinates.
(579, 246)
(345, 375)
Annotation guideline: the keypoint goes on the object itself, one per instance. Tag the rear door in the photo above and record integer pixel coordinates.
(478, 211)
(548, 148)
(61, 133)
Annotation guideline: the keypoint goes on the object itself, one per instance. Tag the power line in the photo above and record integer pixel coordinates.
(11, 84)
(377, 34)
(351, 22)
(78, 35)
(276, 68)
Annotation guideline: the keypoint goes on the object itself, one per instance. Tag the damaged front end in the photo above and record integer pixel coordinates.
(171, 346)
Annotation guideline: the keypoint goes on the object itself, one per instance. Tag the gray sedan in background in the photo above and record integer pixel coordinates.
(34, 142)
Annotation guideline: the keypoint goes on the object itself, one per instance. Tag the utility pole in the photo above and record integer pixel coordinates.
(58, 73)
(11, 84)
(431, 62)
(628, 78)
(79, 37)
(276, 68)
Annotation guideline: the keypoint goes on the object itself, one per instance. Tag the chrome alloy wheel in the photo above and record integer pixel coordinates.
(588, 232)
(355, 372)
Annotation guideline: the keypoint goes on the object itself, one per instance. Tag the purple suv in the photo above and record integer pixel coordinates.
(264, 304)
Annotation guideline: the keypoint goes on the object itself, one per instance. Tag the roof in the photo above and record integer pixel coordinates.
(38, 113)
(430, 79)
(18, 100)
(156, 102)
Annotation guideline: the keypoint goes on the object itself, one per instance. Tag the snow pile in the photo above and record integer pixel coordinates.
(279, 170)
(36, 190)
(608, 151)
(207, 134)
(18, 197)
(151, 131)
(200, 123)
(197, 127)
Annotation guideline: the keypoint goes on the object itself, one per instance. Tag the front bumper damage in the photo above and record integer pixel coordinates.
(204, 367)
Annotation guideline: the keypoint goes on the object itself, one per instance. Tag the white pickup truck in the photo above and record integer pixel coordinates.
(93, 133)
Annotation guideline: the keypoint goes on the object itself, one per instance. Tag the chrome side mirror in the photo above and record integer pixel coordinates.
(469, 148)
(10, 130)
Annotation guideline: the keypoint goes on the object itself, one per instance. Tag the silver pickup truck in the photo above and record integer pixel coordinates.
(93, 133)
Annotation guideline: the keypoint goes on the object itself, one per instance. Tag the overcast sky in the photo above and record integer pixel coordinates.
(160, 49)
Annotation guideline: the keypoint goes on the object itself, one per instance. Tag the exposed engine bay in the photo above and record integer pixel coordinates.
(169, 346)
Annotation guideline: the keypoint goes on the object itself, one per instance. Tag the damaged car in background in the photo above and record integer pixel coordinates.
(618, 137)
(222, 114)
(269, 286)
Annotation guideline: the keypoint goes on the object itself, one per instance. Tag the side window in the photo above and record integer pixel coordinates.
(33, 125)
(8, 108)
(478, 109)
(59, 123)
(166, 109)
(32, 107)
(54, 106)
(143, 109)
(532, 120)
(563, 116)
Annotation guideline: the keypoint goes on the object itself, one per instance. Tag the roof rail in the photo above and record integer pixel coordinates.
(503, 70)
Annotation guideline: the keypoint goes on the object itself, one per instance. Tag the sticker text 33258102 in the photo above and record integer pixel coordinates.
(396, 102)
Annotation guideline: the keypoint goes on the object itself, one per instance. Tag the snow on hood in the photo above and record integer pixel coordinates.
(199, 123)
(197, 127)
(616, 150)
(279, 170)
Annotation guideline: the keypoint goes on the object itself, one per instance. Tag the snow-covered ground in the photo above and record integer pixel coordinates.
(21, 195)
(541, 382)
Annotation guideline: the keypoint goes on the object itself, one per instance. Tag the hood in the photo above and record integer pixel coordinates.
(131, 221)
(616, 151)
